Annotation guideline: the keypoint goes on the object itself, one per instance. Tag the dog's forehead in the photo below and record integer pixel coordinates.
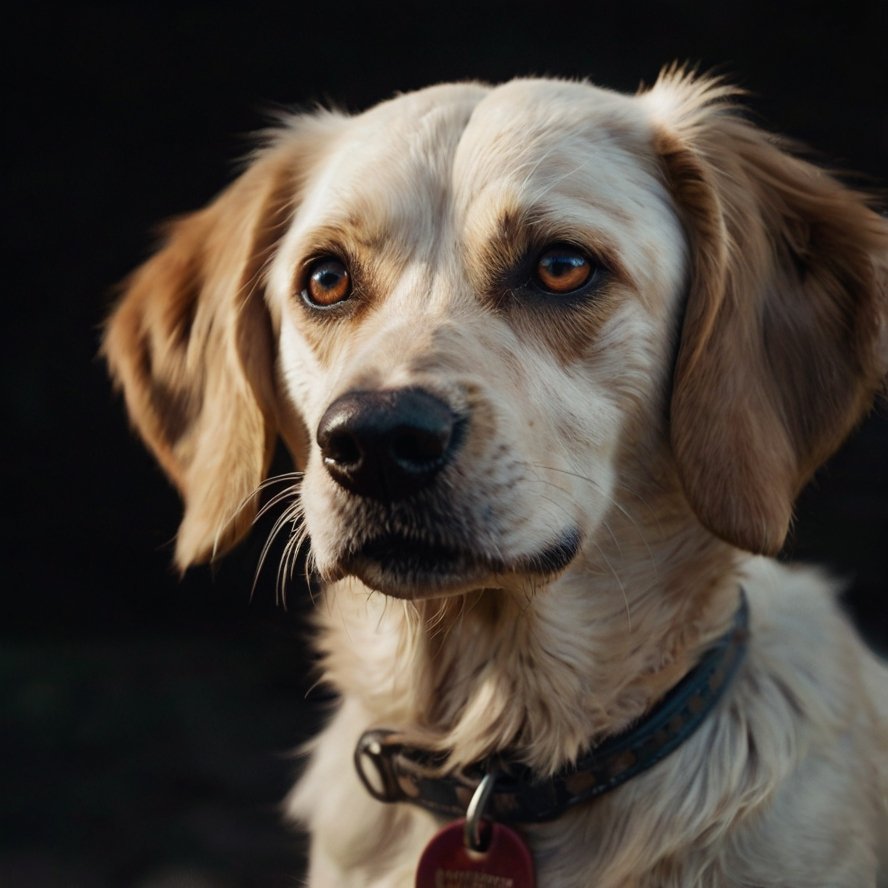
(452, 144)
(540, 119)
(404, 141)
(570, 149)
(454, 121)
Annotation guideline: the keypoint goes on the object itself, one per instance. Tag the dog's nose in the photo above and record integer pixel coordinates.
(387, 445)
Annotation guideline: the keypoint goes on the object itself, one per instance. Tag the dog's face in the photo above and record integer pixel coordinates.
(471, 324)
(479, 316)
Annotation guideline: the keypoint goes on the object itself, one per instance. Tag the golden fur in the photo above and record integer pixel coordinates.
(670, 420)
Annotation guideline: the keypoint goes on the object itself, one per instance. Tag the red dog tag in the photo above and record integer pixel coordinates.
(447, 863)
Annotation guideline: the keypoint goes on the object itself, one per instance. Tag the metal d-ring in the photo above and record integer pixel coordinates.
(376, 748)
(475, 812)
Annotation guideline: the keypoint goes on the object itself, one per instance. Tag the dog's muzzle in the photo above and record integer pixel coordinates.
(388, 445)
(411, 533)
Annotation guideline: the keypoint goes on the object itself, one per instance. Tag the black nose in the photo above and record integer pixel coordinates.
(387, 445)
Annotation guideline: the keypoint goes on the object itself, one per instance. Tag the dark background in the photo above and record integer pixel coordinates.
(148, 721)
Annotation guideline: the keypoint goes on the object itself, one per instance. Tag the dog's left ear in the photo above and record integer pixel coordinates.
(783, 342)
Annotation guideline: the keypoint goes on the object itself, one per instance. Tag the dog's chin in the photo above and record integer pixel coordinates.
(402, 567)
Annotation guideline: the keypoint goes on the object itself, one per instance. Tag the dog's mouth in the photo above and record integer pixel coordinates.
(406, 567)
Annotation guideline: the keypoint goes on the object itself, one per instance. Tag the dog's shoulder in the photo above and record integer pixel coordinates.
(809, 711)
(802, 640)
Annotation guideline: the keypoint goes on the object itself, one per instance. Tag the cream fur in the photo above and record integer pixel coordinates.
(674, 448)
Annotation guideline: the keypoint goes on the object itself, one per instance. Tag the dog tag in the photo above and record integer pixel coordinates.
(447, 863)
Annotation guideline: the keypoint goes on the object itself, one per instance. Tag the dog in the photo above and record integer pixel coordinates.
(554, 363)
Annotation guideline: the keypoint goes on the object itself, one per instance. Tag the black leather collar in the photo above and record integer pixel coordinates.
(402, 773)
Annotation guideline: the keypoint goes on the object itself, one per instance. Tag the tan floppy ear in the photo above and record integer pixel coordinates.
(191, 344)
(782, 346)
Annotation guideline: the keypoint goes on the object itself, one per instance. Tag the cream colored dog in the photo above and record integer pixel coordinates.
(555, 363)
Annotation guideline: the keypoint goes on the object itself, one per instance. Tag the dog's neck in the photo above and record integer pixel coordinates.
(499, 669)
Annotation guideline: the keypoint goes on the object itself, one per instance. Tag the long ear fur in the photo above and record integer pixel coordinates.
(783, 342)
(192, 346)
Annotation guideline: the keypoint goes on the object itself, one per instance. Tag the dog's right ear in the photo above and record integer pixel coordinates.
(192, 345)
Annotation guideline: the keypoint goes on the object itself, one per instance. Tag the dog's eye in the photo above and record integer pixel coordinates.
(563, 269)
(328, 283)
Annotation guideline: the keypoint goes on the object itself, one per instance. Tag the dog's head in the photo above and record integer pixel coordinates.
(479, 316)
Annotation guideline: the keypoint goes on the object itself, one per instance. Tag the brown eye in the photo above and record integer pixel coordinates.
(563, 270)
(328, 283)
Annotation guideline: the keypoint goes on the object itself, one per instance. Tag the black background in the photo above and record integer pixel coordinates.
(148, 720)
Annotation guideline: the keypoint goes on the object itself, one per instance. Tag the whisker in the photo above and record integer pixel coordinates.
(291, 515)
(290, 560)
(619, 580)
(557, 180)
(276, 500)
(279, 478)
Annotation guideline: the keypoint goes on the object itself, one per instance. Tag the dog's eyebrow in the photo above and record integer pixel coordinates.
(349, 233)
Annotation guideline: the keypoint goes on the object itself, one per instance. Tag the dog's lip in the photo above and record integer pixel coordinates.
(553, 558)
(406, 567)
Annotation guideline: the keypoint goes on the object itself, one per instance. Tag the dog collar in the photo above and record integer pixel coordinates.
(393, 771)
